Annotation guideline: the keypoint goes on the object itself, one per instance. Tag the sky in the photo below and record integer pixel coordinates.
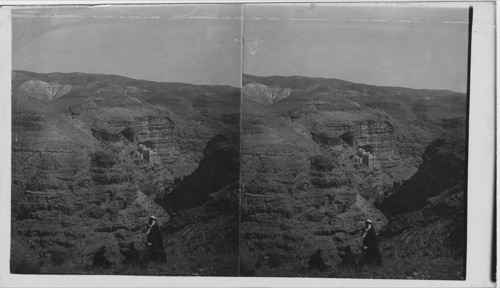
(201, 44)
(423, 48)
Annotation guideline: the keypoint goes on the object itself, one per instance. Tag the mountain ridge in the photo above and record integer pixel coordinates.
(113, 76)
(340, 81)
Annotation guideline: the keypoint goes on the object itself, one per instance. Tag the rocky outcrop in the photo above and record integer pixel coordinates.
(443, 167)
(264, 94)
(103, 135)
(322, 174)
(208, 232)
(88, 167)
(219, 167)
(44, 91)
(314, 164)
(371, 135)
(299, 194)
(152, 129)
(333, 135)
(374, 135)
(305, 184)
(292, 228)
(428, 210)
(436, 230)
(154, 132)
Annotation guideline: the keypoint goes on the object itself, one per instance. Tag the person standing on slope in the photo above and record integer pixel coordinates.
(370, 245)
(154, 243)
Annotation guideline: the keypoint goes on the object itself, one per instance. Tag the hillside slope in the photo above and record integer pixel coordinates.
(305, 182)
(93, 154)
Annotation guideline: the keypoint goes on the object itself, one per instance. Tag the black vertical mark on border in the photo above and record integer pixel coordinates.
(467, 138)
(493, 268)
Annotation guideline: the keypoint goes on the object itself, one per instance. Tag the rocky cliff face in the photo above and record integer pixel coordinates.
(306, 183)
(219, 167)
(88, 164)
(155, 132)
(264, 94)
(299, 196)
(371, 135)
(44, 91)
(316, 158)
(207, 236)
(153, 129)
(375, 136)
(428, 210)
(443, 167)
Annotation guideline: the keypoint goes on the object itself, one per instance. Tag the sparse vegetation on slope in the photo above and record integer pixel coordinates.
(92, 153)
(306, 183)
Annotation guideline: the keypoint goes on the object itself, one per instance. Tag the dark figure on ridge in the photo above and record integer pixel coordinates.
(370, 245)
(131, 256)
(316, 261)
(100, 259)
(348, 258)
(154, 243)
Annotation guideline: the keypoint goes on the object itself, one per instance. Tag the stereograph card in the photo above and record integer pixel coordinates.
(248, 144)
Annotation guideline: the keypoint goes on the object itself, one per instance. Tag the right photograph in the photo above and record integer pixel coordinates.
(354, 141)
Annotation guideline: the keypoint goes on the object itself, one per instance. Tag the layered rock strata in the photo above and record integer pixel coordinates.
(89, 163)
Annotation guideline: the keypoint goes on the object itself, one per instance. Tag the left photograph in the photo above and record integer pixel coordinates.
(126, 140)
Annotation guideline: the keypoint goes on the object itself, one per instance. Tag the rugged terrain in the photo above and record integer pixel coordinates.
(94, 155)
(307, 185)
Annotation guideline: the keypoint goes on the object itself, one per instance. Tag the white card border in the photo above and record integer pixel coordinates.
(480, 185)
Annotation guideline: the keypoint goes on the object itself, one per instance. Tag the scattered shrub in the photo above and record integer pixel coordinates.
(102, 159)
(57, 258)
(23, 263)
(24, 266)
